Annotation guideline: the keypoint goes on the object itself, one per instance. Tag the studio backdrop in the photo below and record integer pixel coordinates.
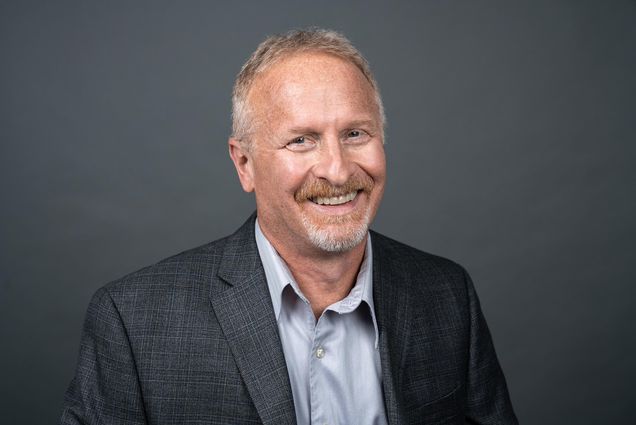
(510, 144)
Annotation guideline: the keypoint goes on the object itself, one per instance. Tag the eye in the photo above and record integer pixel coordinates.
(300, 144)
(357, 136)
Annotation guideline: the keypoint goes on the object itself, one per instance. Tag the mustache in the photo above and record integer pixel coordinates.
(320, 188)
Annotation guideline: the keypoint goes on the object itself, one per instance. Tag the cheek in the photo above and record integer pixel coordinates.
(281, 173)
(374, 163)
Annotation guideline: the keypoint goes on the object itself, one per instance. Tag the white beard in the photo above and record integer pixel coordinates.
(329, 241)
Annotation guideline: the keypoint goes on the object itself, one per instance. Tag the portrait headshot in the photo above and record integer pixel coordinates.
(318, 212)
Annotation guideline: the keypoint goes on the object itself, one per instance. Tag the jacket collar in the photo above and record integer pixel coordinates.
(391, 293)
(243, 308)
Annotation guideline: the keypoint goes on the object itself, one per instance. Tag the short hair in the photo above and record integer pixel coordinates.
(280, 46)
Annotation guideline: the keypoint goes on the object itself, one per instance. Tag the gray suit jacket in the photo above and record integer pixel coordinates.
(193, 340)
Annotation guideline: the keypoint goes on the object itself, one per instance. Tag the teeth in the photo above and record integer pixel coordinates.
(336, 200)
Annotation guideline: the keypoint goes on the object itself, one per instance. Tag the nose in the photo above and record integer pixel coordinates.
(333, 163)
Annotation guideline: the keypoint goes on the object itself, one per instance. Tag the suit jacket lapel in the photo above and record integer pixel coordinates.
(243, 308)
(390, 296)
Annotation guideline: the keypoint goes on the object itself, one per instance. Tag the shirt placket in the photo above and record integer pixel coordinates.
(319, 411)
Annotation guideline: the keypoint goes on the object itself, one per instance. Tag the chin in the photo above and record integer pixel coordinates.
(337, 237)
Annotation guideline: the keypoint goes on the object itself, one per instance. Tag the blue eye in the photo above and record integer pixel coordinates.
(301, 143)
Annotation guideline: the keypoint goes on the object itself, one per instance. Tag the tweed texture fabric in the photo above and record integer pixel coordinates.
(193, 339)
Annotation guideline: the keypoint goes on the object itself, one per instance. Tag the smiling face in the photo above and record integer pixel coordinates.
(316, 160)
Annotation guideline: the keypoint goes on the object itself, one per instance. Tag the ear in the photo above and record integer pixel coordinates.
(242, 160)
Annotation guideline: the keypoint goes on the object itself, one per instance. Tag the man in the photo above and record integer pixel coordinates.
(303, 315)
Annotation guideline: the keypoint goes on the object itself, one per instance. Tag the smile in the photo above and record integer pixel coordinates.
(336, 200)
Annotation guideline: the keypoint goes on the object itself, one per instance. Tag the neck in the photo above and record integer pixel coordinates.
(323, 277)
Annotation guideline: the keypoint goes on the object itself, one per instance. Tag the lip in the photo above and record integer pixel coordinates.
(341, 209)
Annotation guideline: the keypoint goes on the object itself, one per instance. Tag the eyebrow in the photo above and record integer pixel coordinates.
(350, 125)
(362, 123)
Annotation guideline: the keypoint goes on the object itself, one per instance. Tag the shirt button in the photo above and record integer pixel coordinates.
(320, 352)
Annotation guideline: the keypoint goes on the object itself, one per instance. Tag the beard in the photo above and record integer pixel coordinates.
(336, 233)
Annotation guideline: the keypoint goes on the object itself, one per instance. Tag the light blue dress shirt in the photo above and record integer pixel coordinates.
(333, 363)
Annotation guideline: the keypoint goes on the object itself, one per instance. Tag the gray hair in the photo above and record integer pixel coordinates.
(277, 47)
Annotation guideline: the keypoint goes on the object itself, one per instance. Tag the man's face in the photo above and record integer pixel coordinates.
(316, 161)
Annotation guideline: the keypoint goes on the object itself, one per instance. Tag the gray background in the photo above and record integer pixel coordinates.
(510, 150)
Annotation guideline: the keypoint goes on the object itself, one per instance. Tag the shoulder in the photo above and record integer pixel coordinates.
(390, 250)
(420, 271)
(178, 284)
(172, 281)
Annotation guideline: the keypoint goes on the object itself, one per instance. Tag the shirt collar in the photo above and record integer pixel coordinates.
(278, 277)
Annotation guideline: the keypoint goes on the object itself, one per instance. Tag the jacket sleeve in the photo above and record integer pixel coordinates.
(487, 401)
(105, 389)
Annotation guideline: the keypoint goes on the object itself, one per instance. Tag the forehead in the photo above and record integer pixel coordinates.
(312, 84)
(318, 66)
